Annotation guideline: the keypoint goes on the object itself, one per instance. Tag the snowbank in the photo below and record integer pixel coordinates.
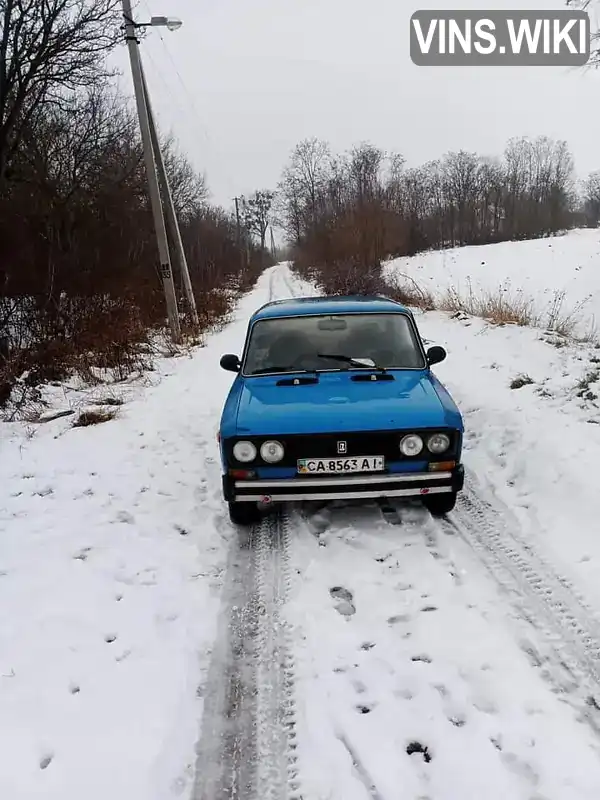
(562, 270)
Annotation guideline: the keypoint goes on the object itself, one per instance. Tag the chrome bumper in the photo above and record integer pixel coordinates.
(352, 487)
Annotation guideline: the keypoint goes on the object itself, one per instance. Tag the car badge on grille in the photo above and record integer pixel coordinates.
(342, 447)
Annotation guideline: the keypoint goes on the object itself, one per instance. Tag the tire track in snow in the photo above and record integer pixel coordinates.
(247, 745)
(543, 597)
(226, 763)
(277, 776)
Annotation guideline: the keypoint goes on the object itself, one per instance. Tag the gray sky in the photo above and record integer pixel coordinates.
(244, 80)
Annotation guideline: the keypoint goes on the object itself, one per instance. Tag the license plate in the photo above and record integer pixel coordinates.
(313, 466)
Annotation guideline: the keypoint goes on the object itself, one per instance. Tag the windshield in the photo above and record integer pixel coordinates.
(288, 344)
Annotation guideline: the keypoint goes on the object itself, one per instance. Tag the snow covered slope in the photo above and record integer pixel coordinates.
(562, 269)
(347, 654)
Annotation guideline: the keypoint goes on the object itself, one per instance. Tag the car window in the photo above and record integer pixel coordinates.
(286, 344)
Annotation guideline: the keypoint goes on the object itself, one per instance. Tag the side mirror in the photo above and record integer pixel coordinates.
(435, 354)
(230, 362)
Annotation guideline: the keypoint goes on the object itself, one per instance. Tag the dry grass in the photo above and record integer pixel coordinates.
(505, 307)
(520, 381)
(94, 417)
(500, 307)
(583, 388)
(408, 292)
(105, 342)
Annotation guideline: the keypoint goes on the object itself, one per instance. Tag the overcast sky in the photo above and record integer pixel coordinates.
(244, 80)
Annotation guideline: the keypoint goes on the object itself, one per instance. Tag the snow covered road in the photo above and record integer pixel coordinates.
(364, 653)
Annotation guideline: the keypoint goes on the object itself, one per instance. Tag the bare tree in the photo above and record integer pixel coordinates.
(188, 187)
(365, 207)
(48, 48)
(591, 198)
(583, 5)
(257, 213)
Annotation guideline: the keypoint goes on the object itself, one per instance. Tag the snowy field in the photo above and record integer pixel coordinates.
(366, 653)
(561, 273)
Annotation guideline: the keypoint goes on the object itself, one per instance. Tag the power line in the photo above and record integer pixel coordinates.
(191, 104)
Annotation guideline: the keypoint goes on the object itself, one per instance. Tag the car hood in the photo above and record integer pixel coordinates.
(337, 403)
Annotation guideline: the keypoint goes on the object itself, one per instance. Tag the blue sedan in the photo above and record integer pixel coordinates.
(334, 398)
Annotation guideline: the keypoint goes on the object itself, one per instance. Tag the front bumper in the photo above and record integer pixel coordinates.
(351, 487)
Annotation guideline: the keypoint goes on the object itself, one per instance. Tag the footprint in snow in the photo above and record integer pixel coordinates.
(417, 747)
(422, 657)
(181, 530)
(485, 706)
(46, 761)
(398, 618)
(344, 604)
(520, 767)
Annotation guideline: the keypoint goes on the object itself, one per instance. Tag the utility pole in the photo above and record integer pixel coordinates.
(246, 234)
(153, 186)
(171, 215)
(273, 250)
(239, 235)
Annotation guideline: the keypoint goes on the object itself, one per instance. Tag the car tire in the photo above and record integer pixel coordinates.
(439, 505)
(244, 514)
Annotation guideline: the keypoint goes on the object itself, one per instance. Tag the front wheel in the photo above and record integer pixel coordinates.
(439, 505)
(244, 513)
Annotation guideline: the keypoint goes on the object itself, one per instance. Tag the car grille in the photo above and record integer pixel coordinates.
(359, 443)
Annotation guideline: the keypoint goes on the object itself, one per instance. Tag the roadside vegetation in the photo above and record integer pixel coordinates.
(80, 293)
(346, 214)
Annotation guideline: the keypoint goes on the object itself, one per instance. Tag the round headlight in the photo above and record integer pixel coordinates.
(244, 451)
(438, 443)
(411, 445)
(271, 452)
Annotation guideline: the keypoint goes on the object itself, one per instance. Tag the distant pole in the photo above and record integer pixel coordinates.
(246, 237)
(239, 233)
(170, 208)
(273, 250)
(166, 272)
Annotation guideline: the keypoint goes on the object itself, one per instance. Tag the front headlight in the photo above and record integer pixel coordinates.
(271, 452)
(244, 451)
(411, 445)
(438, 443)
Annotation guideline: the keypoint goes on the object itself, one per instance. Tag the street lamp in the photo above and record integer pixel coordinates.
(172, 23)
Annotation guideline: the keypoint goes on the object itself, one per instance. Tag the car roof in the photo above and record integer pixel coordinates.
(304, 306)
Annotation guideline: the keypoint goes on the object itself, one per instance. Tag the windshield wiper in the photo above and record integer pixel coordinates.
(277, 369)
(354, 362)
